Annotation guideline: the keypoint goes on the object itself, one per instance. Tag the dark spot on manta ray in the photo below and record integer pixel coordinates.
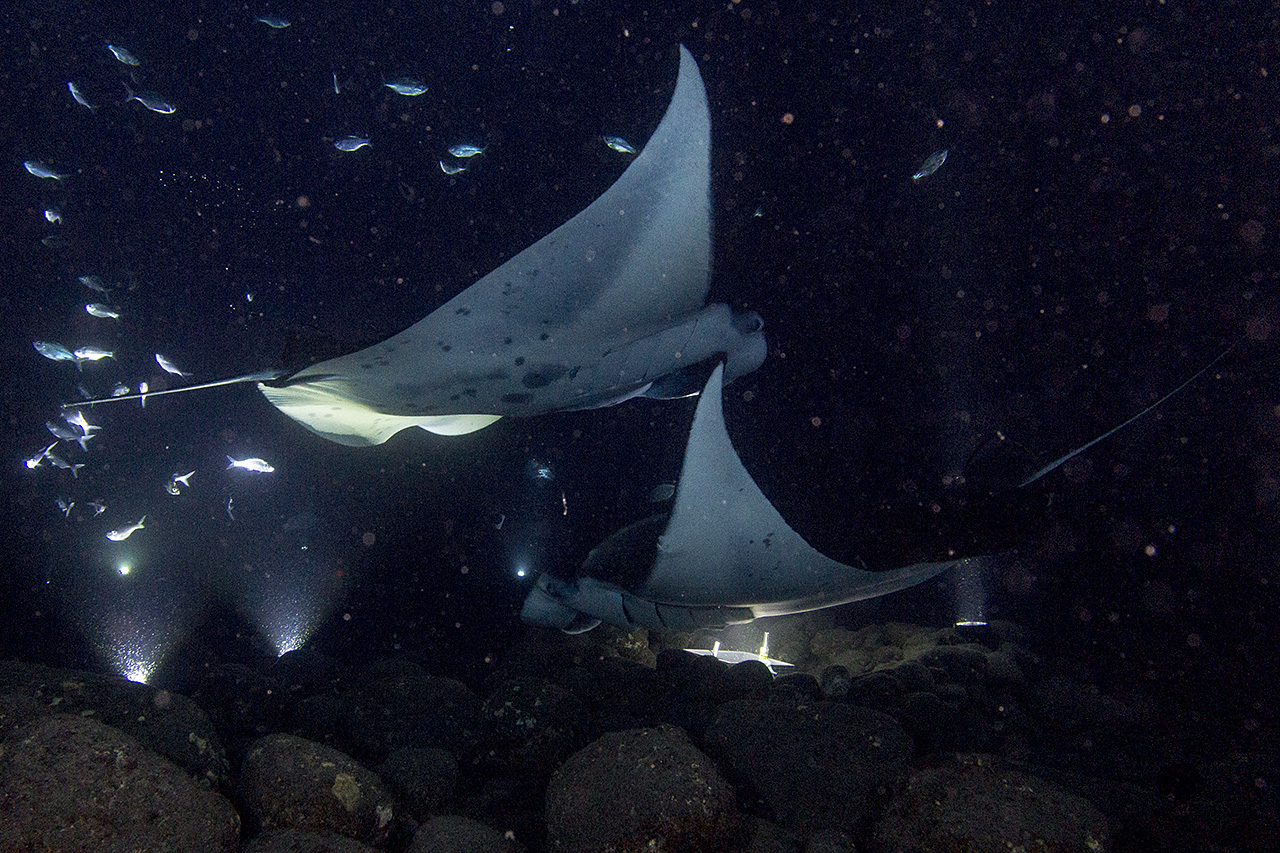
(506, 342)
(453, 398)
(573, 374)
(543, 376)
(366, 365)
(469, 392)
(544, 336)
(515, 398)
(463, 311)
(384, 362)
(519, 360)
(445, 347)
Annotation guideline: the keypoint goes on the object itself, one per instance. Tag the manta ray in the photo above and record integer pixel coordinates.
(722, 556)
(609, 306)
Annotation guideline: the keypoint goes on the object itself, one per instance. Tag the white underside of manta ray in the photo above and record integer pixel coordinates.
(723, 556)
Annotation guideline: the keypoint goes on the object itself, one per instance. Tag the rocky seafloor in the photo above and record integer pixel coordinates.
(909, 739)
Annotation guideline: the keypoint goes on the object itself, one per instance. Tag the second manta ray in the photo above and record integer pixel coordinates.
(609, 306)
(722, 556)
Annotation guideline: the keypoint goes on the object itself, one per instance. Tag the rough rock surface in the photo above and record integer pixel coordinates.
(813, 765)
(287, 781)
(305, 841)
(640, 790)
(71, 783)
(161, 720)
(457, 834)
(978, 806)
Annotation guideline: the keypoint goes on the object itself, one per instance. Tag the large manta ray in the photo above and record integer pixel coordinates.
(608, 306)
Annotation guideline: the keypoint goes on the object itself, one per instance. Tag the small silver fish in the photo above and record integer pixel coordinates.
(260, 466)
(351, 143)
(151, 100)
(98, 507)
(168, 366)
(55, 241)
(97, 309)
(462, 152)
(53, 351)
(77, 419)
(60, 432)
(92, 354)
(79, 97)
(143, 388)
(65, 506)
(58, 462)
(452, 168)
(53, 216)
(38, 460)
(123, 55)
(122, 533)
(93, 282)
(274, 21)
(231, 515)
(120, 390)
(931, 164)
(172, 486)
(336, 90)
(406, 86)
(40, 170)
(617, 143)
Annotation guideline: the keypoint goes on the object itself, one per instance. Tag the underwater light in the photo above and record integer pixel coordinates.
(735, 656)
(291, 600)
(134, 663)
(124, 567)
(136, 638)
(971, 593)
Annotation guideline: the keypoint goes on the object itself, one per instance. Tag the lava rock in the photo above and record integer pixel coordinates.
(287, 781)
(71, 783)
(978, 805)
(422, 778)
(457, 834)
(641, 790)
(811, 766)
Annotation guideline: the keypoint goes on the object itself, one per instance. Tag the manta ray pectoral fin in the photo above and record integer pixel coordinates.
(326, 408)
(579, 606)
(724, 555)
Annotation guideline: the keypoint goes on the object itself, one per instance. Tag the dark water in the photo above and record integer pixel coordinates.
(1103, 227)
